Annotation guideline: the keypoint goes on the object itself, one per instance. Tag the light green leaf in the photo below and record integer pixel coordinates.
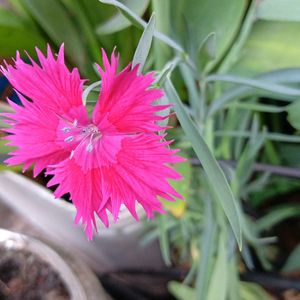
(240, 92)
(279, 10)
(164, 240)
(277, 215)
(133, 18)
(270, 46)
(193, 20)
(207, 50)
(247, 158)
(118, 21)
(294, 114)
(233, 280)
(182, 291)
(212, 169)
(166, 71)
(258, 84)
(218, 285)
(162, 53)
(293, 262)
(207, 250)
(258, 107)
(253, 291)
(88, 90)
(136, 20)
(278, 137)
(143, 48)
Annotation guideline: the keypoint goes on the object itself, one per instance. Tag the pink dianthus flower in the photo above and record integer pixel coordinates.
(114, 157)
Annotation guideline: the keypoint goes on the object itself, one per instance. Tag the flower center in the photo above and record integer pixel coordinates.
(83, 134)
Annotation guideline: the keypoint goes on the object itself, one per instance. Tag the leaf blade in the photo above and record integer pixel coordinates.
(212, 169)
(144, 45)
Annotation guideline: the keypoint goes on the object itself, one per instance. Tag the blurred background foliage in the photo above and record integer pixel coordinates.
(236, 67)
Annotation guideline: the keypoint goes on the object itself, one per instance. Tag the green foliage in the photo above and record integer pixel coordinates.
(118, 22)
(50, 15)
(192, 21)
(143, 48)
(215, 175)
(293, 115)
(216, 61)
(15, 35)
(279, 10)
(270, 46)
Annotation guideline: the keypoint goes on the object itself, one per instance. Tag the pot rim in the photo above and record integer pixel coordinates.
(125, 221)
(77, 290)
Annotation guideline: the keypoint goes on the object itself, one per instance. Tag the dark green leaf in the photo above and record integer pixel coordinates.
(293, 262)
(56, 22)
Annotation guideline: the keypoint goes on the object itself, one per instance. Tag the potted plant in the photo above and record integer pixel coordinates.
(222, 98)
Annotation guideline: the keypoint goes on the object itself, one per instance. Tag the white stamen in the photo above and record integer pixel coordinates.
(89, 148)
(72, 154)
(69, 139)
(66, 129)
(75, 123)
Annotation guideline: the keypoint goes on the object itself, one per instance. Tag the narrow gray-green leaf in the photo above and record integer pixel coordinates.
(259, 107)
(166, 71)
(253, 291)
(278, 137)
(239, 92)
(119, 21)
(207, 247)
(88, 90)
(276, 216)
(164, 241)
(258, 84)
(144, 45)
(207, 49)
(212, 169)
(141, 23)
(218, 284)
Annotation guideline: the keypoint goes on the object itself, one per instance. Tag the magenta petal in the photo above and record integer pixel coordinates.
(86, 189)
(50, 85)
(34, 134)
(126, 99)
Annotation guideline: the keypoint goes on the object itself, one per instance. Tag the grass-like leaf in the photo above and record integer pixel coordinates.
(143, 48)
(212, 169)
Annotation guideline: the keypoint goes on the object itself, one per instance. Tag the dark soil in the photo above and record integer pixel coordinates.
(24, 276)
